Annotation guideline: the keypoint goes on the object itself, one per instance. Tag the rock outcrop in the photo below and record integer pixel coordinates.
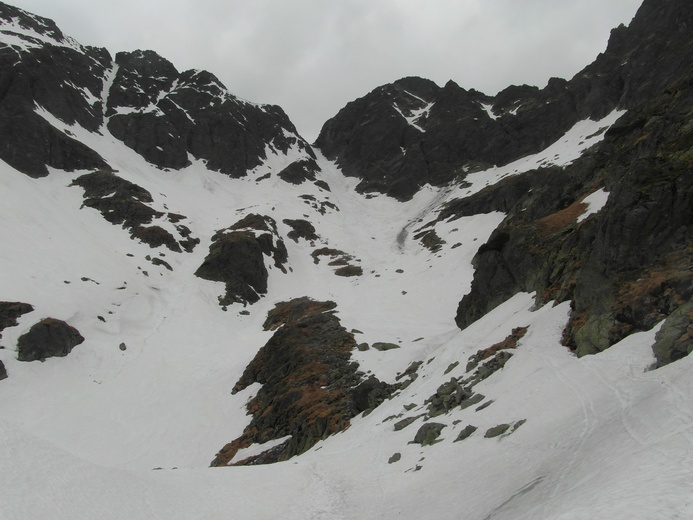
(125, 203)
(10, 311)
(237, 258)
(675, 339)
(48, 338)
(310, 387)
(624, 268)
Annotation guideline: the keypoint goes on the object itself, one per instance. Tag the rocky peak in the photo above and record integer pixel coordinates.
(164, 115)
(141, 78)
(464, 129)
(31, 29)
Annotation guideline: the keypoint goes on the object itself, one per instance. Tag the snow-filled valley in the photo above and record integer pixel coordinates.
(486, 414)
(113, 433)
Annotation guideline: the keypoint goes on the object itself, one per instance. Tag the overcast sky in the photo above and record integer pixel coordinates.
(311, 57)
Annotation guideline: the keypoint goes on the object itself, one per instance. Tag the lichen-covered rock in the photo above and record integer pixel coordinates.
(496, 431)
(466, 432)
(310, 387)
(428, 433)
(448, 396)
(675, 339)
(48, 338)
(403, 423)
(626, 267)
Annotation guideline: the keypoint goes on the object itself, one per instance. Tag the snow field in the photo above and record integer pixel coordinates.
(80, 436)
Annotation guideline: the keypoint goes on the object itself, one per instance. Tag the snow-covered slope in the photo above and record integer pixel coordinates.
(90, 428)
(496, 421)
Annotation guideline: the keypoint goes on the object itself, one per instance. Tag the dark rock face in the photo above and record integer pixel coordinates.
(47, 338)
(370, 394)
(300, 171)
(3, 371)
(310, 388)
(412, 132)
(10, 311)
(236, 257)
(624, 268)
(301, 229)
(124, 203)
(675, 339)
(43, 76)
(164, 115)
(428, 433)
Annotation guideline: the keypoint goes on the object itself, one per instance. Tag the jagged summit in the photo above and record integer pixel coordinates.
(30, 30)
(474, 307)
(139, 97)
(464, 130)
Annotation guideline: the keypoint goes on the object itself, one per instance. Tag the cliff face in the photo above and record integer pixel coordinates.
(624, 268)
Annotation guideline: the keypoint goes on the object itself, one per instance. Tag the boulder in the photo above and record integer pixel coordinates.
(369, 394)
(428, 433)
(301, 229)
(465, 433)
(496, 431)
(48, 338)
(300, 171)
(383, 345)
(10, 311)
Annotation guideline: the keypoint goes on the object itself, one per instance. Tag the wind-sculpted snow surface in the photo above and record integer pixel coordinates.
(386, 402)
